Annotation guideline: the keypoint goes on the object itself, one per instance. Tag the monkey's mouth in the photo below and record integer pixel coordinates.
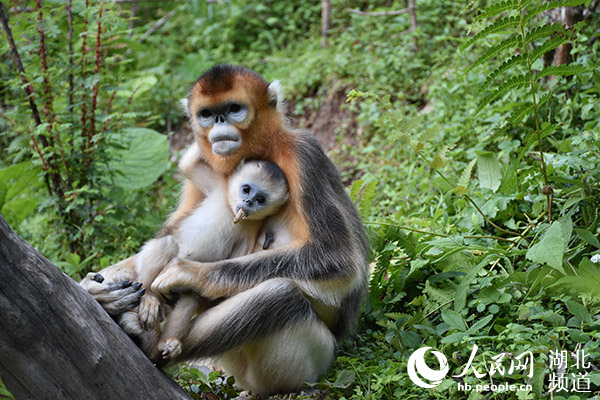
(224, 145)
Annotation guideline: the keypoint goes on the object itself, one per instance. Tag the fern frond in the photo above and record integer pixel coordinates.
(563, 70)
(498, 8)
(518, 59)
(496, 27)
(544, 31)
(524, 109)
(439, 160)
(412, 123)
(425, 137)
(549, 6)
(519, 113)
(463, 183)
(508, 43)
(547, 46)
(396, 315)
(368, 194)
(513, 83)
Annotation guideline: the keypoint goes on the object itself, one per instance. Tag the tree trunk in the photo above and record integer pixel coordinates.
(325, 21)
(56, 342)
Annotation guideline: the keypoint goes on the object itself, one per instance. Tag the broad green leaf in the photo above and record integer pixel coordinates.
(549, 250)
(141, 159)
(453, 338)
(460, 296)
(344, 379)
(19, 191)
(489, 171)
(410, 339)
(578, 310)
(137, 87)
(454, 319)
(476, 327)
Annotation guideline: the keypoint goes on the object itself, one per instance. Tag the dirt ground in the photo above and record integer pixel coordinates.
(332, 123)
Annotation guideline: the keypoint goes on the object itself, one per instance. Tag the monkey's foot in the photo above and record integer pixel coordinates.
(168, 349)
(149, 312)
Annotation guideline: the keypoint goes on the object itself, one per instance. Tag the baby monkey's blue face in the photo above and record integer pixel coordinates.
(257, 189)
(252, 200)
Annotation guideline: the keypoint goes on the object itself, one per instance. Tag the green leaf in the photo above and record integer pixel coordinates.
(20, 187)
(547, 46)
(549, 250)
(454, 319)
(518, 59)
(550, 5)
(477, 326)
(509, 43)
(136, 87)
(578, 310)
(563, 70)
(463, 182)
(460, 296)
(513, 83)
(498, 26)
(588, 237)
(140, 160)
(544, 31)
(489, 171)
(496, 9)
(453, 338)
(410, 339)
(344, 379)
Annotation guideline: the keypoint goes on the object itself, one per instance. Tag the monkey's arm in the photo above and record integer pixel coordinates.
(154, 256)
(194, 167)
(229, 277)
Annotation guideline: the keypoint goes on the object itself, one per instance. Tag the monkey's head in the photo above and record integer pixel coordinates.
(234, 112)
(257, 189)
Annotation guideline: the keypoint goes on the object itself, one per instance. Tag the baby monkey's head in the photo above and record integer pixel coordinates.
(257, 189)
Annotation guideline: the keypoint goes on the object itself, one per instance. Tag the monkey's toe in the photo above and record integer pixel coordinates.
(149, 312)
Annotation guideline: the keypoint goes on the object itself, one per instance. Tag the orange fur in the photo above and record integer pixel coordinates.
(264, 136)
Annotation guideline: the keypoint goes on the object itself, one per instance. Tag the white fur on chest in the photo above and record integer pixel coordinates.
(208, 234)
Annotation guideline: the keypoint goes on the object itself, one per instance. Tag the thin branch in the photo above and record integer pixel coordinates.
(17, 59)
(83, 91)
(27, 86)
(380, 13)
(92, 130)
(71, 61)
(156, 26)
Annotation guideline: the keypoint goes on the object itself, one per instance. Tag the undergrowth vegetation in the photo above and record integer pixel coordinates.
(475, 165)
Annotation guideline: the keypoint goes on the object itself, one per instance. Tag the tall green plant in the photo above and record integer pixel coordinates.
(520, 70)
(68, 118)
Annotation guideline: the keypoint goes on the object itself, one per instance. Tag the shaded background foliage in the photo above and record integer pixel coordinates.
(473, 160)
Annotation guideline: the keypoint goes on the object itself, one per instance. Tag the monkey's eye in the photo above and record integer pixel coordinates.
(246, 189)
(261, 200)
(235, 108)
(206, 113)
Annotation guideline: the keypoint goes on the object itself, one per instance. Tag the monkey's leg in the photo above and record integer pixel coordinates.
(155, 254)
(268, 337)
(177, 326)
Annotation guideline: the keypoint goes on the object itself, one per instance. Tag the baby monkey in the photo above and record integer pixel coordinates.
(228, 223)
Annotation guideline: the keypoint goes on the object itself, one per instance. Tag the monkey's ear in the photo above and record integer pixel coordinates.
(275, 92)
(185, 106)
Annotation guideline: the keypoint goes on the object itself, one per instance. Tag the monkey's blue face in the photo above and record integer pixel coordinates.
(221, 120)
(252, 199)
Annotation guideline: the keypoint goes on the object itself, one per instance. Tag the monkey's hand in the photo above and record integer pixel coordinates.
(149, 312)
(115, 298)
(179, 276)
